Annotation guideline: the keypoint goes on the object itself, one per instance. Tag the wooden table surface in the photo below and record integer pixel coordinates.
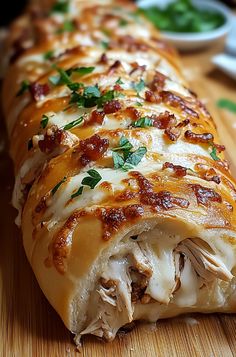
(28, 324)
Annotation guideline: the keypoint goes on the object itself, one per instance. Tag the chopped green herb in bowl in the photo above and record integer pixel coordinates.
(183, 16)
(188, 24)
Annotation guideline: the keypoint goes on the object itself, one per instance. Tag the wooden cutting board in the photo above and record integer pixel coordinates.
(30, 327)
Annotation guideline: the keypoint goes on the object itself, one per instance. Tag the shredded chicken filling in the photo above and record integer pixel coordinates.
(143, 274)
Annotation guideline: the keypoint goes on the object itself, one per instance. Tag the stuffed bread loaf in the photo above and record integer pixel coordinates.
(126, 204)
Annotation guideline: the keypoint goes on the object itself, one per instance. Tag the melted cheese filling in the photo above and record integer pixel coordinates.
(148, 275)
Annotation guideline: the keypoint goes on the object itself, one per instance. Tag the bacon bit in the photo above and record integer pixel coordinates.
(97, 117)
(126, 196)
(137, 67)
(93, 149)
(132, 113)
(114, 67)
(219, 148)
(112, 107)
(152, 97)
(113, 218)
(117, 87)
(198, 138)
(183, 123)
(103, 59)
(164, 120)
(144, 184)
(162, 199)
(130, 44)
(205, 195)
(53, 138)
(210, 175)
(177, 102)
(179, 171)
(158, 82)
(172, 133)
(167, 121)
(206, 173)
(39, 90)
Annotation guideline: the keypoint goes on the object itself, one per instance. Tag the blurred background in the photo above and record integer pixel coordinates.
(12, 9)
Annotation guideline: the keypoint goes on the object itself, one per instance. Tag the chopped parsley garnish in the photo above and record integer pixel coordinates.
(75, 86)
(92, 180)
(118, 160)
(61, 6)
(82, 71)
(143, 123)
(124, 145)
(58, 185)
(55, 80)
(135, 157)
(227, 104)
(23, 88)
(105, 44)
(73, 123)
(119, 81)
(213, 154)
(48, 55)
(127, 159)
(44, 121)
(138, 87)
(107, 97)
(68, 26)
(64, 76)
(88, 98)
(78, 192)
(123, 22)
(91, 96)
(30, 144)
(138, 104)
(92, 92)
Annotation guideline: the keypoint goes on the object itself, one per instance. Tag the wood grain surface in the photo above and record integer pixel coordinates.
(30, 327)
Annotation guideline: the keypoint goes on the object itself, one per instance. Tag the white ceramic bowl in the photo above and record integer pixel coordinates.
(193, 41)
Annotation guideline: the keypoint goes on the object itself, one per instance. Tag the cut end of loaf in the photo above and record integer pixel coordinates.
(151, 275)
